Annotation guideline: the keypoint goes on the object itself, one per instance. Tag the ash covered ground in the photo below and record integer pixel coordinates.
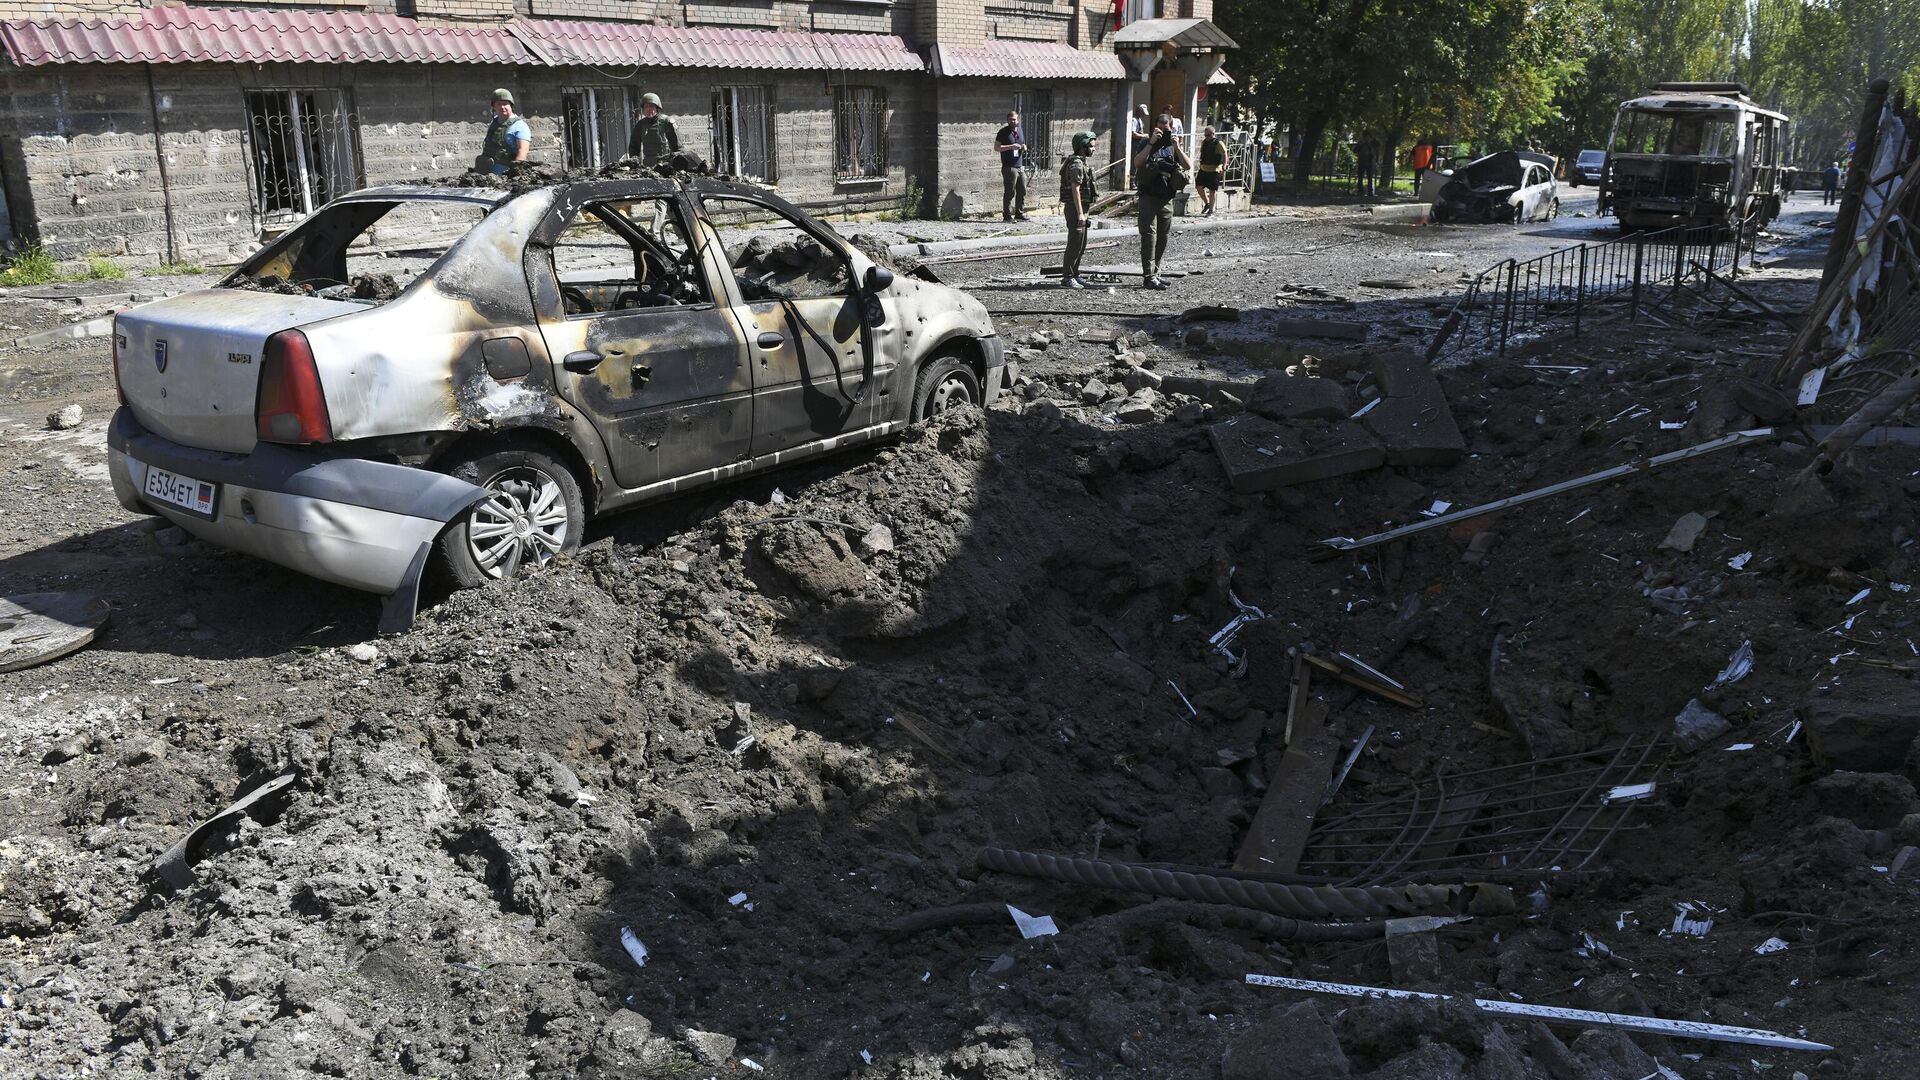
(766, 727)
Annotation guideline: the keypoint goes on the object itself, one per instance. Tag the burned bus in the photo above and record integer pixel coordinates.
(1693, 154)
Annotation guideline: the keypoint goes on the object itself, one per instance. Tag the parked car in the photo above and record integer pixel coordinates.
(1510, 186)
(1587, 168)
(576, 349)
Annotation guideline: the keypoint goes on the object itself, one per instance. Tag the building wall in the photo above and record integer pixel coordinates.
(971, 111)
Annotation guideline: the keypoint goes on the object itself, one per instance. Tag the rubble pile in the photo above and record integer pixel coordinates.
(711, 797)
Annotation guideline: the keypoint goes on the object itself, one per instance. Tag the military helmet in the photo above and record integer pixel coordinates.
(503, 94)
(650, 99)
(1083, 140)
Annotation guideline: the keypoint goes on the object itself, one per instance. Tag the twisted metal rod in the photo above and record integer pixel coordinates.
(1318, 902)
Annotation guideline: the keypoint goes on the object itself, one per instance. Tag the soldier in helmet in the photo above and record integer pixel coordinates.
(508, 137)
(653, 135)
(1076, 198)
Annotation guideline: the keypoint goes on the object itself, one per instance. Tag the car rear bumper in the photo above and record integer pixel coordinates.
(363, 524)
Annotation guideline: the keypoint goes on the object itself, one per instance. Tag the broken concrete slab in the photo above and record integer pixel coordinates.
(1260, 454)
(1299, 1036)
(1697, 725)
(1685, 532)
(1865, 724)
(1093, 391)
(1299, 397)
(1416, 431)
(1139, 406)
(1412, 418)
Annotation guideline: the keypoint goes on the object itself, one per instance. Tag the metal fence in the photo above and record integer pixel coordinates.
(860, 133)
(304, 146)
(1565, 292)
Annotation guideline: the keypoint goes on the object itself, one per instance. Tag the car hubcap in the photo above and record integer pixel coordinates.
(953, 390)
(522, 520)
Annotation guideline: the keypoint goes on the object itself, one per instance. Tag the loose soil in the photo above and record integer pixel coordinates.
(758, 728)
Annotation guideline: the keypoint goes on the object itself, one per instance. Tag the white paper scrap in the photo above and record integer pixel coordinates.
(866, 1056)
(737, 899)
(1629, 792)
(1031, 926)
(632, 943)
(1740, 561)
(1685, 923)
(1898, 587)
(752, 1064)
(1440, 506)
(1771, 945)
(1741, 746)
(1668, 425)
(1859, 596)
(1810, 386)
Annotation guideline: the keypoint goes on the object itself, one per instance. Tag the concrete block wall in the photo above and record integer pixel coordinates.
(971, 111)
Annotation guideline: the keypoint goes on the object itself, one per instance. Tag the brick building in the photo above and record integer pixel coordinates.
(186, 133)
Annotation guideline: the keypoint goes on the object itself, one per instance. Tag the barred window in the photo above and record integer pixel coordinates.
(743, 132)
(860, 133)
(597, 121)
(305, 150)
(1036, 123)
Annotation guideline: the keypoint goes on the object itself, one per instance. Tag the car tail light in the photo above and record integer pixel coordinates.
(290, 407)
(118, 387)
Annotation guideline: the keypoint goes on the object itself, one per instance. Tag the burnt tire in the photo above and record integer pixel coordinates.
(533, 510)
(945, 382)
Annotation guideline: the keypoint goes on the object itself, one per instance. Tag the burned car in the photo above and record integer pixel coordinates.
(558, 352)
(1509, 187)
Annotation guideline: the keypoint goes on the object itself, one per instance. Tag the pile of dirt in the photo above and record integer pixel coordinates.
(663, 809)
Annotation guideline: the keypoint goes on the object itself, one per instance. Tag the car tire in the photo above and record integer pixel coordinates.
(533, 511)
(947, 381)
(1553, 208)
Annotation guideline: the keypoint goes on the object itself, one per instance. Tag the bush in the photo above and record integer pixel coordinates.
(101, 268)
(173, 268)
(31, 265)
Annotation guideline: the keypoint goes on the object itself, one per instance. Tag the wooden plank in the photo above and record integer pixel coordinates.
(1297, 779)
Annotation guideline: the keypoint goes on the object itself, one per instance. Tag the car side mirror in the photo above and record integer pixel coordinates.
(879, 278)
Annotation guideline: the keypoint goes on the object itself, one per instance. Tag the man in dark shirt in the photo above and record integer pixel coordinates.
(1830, 184)
(653, 135)
(1011, 145)
(1213, 166)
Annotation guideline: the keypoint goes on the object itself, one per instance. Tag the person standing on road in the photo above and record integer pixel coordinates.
(653, 136)
(1161, 166)
(1076, 198)
(508, 137)
(1213, 165)
(1830, 185)
(1011, 145)
(1366, 160)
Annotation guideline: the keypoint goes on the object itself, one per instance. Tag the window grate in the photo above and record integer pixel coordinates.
(597, 121)
(743, 132)
(860, 133)
(1036, 123)
(305, 151)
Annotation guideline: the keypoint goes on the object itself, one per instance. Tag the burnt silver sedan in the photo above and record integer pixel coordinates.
(422, 375)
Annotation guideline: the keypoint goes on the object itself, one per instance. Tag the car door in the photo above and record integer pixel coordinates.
(812, 331)
(639, 343)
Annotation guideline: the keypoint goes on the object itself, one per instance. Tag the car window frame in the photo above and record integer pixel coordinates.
(576, 199)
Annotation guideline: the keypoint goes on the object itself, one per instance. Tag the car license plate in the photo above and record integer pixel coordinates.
(194, 496)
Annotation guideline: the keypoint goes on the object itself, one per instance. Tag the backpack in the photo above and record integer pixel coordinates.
(1162, 178)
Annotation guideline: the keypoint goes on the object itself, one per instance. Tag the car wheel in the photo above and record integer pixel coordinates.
(1553, 208)
(945, 383)
(532, 511)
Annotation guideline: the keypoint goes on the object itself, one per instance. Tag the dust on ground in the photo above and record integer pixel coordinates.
(755, 731)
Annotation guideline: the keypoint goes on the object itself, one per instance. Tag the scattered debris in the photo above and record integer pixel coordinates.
(634, 946)
(1697, 725)
(1771, 945)
(1684, 533)
(1032, 926)
(66, 418)
(1300, 768)
(1738, 666)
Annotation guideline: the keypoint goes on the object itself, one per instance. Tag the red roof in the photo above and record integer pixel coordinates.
(1027, 60)
(569, 41)
(178, 35)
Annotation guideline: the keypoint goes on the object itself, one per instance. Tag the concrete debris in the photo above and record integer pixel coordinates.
(1685, 532)
(876, 540)
(1697, 725)
(1261, 454)
(66, 418)
(1864, 723)
(39, 627)
(710, 1048)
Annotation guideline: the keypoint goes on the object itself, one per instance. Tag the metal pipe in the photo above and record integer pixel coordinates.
(160, 158)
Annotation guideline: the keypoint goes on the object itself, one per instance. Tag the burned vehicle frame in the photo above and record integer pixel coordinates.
(581, 348)
(1508, 187)
(1693, 154)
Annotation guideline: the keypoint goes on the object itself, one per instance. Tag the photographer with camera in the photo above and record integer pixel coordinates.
(1162, 166)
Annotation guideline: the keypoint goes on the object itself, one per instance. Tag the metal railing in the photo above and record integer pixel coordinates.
(304, 148)
(860, 133)
(1567, 291)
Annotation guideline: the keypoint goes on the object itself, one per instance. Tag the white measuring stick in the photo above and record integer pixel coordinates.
(1652, 1025)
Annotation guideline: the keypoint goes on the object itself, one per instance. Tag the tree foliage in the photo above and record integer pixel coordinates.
(1499, 73)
